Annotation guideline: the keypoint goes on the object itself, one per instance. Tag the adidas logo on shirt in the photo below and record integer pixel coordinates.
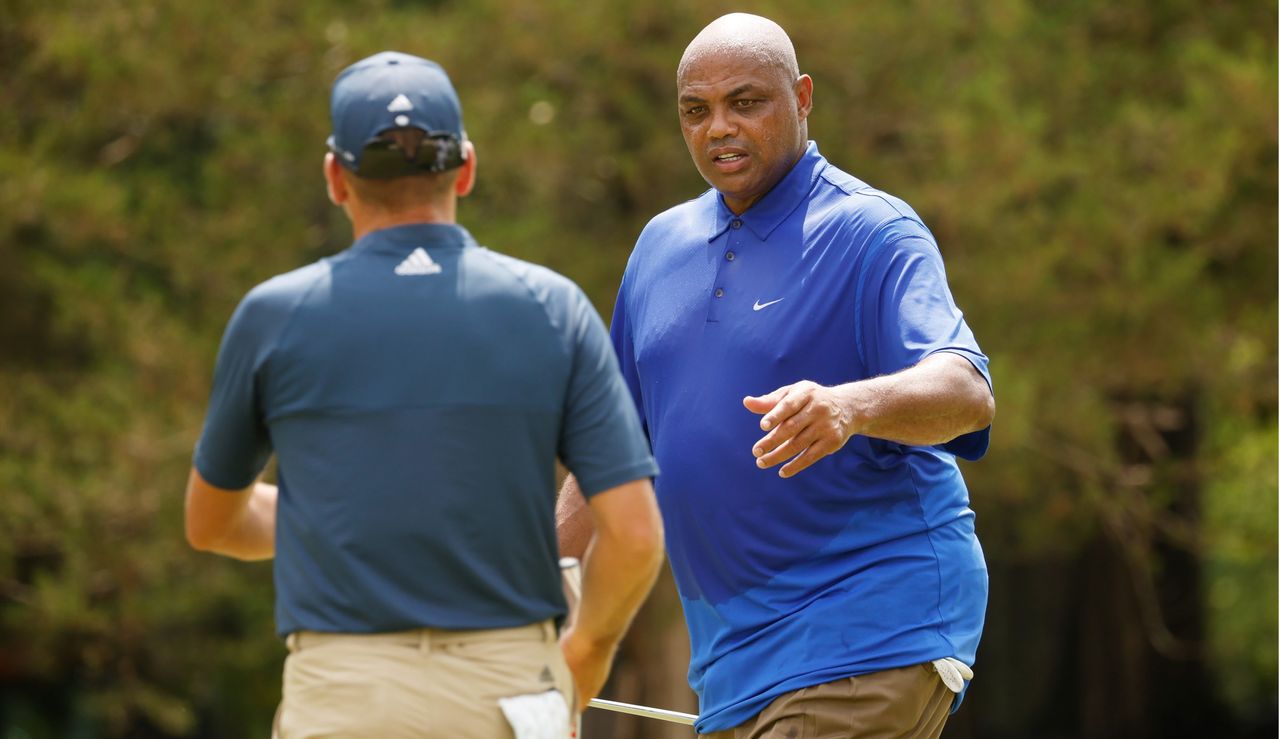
(418, 263)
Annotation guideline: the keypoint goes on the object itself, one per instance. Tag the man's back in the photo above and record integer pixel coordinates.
(414, 389)
(417, 390)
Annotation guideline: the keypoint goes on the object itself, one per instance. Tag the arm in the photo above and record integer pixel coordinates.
(930, 403)
(573, 521)
(620, 567)
(235, 523)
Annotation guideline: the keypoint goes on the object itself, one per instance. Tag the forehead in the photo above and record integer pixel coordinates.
(718, 73)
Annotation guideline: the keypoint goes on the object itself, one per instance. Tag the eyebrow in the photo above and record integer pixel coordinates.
(732, 93)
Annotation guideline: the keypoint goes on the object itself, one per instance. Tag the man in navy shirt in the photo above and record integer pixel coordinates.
(416, 390)
(793, 315)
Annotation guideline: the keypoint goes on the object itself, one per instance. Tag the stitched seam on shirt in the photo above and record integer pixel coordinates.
(293, 314)
(842, 188)
(568, 344)
(347, 410)
(871, 192)
(565, 343)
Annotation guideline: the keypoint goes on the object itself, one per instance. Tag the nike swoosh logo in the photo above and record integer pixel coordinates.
(761, 306)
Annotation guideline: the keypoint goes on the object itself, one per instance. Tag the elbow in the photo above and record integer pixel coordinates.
(985, 409)
(979, 401)
(200, 538)
(641, 540)
(204, 535)
(629, 527)
(644, 542)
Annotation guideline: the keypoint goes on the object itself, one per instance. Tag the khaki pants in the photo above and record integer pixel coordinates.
(415, 684)
(906, 703)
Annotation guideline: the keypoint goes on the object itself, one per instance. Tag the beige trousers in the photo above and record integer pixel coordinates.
(418, 684)
(906, 703)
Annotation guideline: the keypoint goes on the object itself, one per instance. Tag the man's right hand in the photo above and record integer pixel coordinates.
(589, 664)
(618, 571)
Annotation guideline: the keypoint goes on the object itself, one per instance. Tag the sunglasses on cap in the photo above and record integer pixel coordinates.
(408, 151)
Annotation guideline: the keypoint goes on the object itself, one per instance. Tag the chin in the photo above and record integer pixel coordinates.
(730, 185)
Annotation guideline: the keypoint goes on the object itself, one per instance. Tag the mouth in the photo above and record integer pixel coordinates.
(729, 160)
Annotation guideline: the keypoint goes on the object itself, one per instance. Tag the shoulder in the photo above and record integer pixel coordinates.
(691, 219)
(667, 239)
(523, 281)
(286, 289)
(533, 277)
(874, 215)
(266, 308)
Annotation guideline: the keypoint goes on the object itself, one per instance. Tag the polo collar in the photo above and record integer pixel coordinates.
(767, 213)
(410, 236)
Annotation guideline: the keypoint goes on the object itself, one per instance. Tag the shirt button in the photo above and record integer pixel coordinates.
(737, 223)
(719, 292)
(730, 256)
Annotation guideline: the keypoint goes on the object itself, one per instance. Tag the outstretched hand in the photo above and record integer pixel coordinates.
(805, 422)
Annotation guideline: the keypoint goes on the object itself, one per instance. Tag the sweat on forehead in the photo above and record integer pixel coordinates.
(750, 38)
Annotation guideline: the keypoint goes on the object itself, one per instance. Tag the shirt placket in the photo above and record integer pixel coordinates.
(726, 271)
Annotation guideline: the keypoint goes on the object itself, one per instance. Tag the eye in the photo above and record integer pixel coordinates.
(744, 103)
(694, 111)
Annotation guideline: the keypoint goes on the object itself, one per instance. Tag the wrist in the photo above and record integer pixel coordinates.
(851, 400)
(580, 641)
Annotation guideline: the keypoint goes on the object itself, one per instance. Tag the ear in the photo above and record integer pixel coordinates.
(337, 185)
(804, 96)
(467, 172)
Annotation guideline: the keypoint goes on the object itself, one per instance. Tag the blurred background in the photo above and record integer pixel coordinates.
(1101, 177)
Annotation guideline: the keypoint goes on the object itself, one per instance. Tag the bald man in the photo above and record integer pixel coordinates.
(793, 315)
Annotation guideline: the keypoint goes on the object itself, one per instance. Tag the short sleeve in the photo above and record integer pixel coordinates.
(601, 440)
(624, 347)
(908, 314)
(234, 446)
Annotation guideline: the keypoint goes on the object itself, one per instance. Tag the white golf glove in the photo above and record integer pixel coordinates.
(953, 673)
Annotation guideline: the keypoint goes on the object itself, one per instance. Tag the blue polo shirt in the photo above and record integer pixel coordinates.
(868, 559)
(416, 390)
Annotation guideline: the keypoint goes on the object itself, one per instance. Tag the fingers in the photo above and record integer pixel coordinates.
(792, 402)
(765, 403)
(781, 434)
(810, 455)
(777, 447)
(804, 425)
(803, 450)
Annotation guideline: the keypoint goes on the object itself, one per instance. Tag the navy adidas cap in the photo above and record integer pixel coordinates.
(389, 91)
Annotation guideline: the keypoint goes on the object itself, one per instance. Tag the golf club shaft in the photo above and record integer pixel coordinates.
(661, 714)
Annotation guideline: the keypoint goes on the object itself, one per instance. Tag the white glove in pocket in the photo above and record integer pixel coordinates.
(537, 715)
(953, 673)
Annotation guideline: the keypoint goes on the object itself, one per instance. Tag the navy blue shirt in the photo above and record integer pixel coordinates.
(865, 561)
(417, 390)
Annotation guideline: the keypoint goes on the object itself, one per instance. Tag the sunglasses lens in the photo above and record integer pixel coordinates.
(382, 159)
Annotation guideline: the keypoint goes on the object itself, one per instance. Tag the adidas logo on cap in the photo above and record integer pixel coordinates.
(400, 104)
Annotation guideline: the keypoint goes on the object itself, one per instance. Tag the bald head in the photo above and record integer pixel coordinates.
(742, 37)
(744, 106)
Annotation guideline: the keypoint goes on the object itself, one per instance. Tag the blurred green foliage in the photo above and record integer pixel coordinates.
(1101, 177)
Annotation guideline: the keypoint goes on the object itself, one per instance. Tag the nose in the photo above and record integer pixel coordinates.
(721, 124)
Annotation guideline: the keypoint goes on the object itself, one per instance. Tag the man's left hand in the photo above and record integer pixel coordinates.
(805, 422)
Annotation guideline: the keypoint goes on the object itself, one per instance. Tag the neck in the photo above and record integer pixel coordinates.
(366, 220)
